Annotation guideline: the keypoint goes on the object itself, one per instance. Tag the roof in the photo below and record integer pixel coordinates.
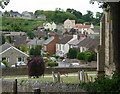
(5, 47)
(96, 30)
(36, 42)
(76, 41)
(85, 26)
(20, 40)
(65, 40)
(48, 40)
(89, 42)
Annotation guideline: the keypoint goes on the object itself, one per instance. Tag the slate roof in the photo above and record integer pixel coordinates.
(89, 42)
(48, 40)
(96, 30)
(65, 40)
(4, 47)
(35, 42)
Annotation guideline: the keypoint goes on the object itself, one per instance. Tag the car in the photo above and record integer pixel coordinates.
(74, 64)
(53, 59)
(20, 63)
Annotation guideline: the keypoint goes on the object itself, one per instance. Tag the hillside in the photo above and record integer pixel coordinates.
(19, 24)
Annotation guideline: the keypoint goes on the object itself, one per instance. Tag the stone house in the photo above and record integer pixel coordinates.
(11, 54)
(69, 24)
(88, 44)
(41, 17)
(50, 26)
(28, 15)
(49, 45)
(62, 46)
(15, 14)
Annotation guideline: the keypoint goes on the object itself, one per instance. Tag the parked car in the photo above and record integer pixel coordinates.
(20, 63)
(74, 64)
(53, 59)
(45, 59)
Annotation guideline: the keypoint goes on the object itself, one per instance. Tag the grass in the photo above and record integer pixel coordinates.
(69, 79)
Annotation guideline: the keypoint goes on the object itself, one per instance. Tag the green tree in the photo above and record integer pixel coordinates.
(36, 51)
(5, 63)
(31, 35)
(72, 54)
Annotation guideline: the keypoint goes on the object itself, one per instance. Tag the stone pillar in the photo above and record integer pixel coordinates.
(101, 50)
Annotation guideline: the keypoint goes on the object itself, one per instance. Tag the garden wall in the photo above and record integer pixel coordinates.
(45, 87)
(24, 70)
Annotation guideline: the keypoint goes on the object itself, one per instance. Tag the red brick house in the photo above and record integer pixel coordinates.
(50, 44)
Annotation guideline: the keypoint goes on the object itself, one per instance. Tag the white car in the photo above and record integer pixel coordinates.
(74, 64)
(18, 64)
(53, 59)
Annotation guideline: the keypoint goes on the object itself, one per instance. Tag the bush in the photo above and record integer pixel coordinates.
(80, 56)
(5, 63)
(52, 63)
(103, 85)
(72, 54)
(56, 56)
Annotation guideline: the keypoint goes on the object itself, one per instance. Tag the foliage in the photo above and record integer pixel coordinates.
(36, 66)
(87, 56)
(19, 24)
(72, 53)
(5, 63)
(104, 85)
(30, 35)
(36, 51)
(51, 63)
(23, 48)
(56, 56)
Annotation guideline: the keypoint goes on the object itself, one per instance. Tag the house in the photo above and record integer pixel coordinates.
(50, 26)
(35, 42)
(84, 29)
(49, 45)
(69, 24)
(41, 17)
(15, 14)
(88, 44)
(28, 15)
(11, 54)
(62, 46)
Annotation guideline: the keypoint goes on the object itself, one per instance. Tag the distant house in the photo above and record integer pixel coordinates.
(62, 46)
(11, 54)
(88, 44)
(28, 15)
(49, 45)
(41, 17)
(50, 26)
(35, 42)
(84, 29)
(69, 24)
(15, 14)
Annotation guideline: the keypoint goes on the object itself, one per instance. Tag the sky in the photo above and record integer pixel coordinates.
(33, 5)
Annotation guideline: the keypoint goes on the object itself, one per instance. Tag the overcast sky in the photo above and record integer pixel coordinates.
(32, 5)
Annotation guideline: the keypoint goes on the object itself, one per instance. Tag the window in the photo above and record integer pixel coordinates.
(5, 58)
(20, 59)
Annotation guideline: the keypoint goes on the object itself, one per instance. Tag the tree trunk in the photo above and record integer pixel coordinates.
(115, 12)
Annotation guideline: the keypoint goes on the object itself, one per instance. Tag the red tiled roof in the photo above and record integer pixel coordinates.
(77, 25)
(85, 26)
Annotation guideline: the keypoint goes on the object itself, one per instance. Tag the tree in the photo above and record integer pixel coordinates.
(36, 67)
(36, 51)
(72, 54)
(31, 35)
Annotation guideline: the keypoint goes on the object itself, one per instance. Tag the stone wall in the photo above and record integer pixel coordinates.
(24, 71)
(46, 87)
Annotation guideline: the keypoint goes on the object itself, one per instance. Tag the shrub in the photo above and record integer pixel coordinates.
(5, 63)
(72, 54)
(36, 66)
(52, 63)
(103, 85)
(56, 56)
(80, 56)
